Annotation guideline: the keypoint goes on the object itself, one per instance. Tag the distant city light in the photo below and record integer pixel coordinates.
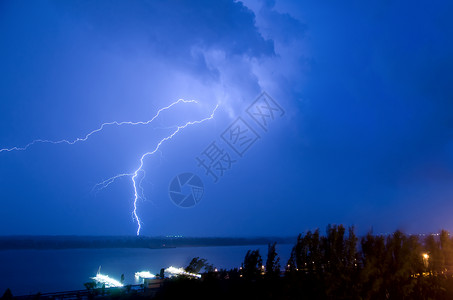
(180, 271)
(105, 279)
(144, 275)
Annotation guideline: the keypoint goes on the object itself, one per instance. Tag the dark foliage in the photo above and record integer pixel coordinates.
(252, 267)
(197, 264)
(272, 262)
(7, 295)
(338, 265)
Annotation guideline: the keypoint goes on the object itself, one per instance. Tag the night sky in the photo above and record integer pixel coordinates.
(359, 126)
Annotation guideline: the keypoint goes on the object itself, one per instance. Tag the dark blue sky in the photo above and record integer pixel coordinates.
(366, 138)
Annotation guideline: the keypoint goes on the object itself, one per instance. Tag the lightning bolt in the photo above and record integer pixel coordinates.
(135, 174)
(136, 185)
(83, 139)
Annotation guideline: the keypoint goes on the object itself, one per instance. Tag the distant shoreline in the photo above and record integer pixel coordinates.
(105, 242)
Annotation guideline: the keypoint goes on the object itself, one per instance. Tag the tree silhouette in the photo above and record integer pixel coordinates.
(197, 264)
(253, 265)
(90, 285)
(338, 265)
(8, 295)
(272, 262)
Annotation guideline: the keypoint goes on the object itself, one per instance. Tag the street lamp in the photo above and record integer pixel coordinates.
(425, 259)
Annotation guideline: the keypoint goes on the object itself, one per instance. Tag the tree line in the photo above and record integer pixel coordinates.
(334, 265)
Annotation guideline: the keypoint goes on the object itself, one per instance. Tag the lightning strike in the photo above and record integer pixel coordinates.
(83, 139)
(134, 175)
(104, 184)
(140, 185)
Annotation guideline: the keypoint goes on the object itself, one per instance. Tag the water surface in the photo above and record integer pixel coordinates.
(33, 271)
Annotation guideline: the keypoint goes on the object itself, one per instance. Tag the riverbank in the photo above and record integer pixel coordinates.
(101, 242)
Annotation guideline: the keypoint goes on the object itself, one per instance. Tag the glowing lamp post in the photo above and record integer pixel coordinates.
(425, 259)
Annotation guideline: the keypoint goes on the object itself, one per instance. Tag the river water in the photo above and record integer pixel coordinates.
(33, 271)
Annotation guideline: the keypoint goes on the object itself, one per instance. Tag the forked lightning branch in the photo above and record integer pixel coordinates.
(135, 174)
